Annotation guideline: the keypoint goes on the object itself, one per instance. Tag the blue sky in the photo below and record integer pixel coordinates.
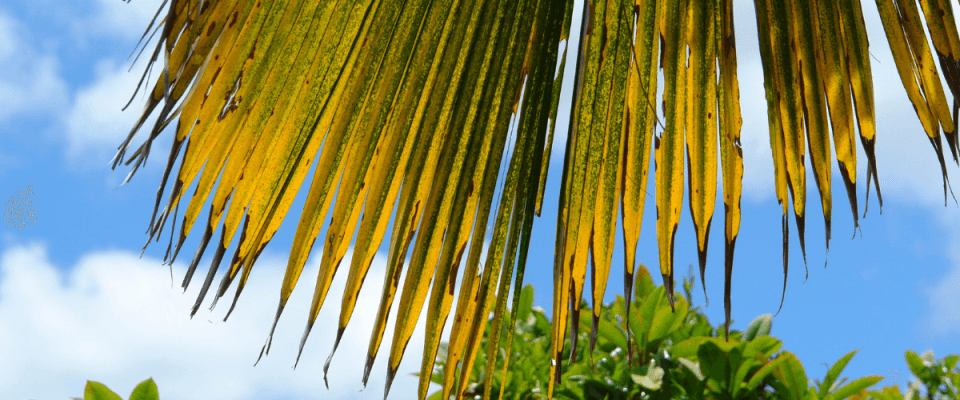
(77, 302)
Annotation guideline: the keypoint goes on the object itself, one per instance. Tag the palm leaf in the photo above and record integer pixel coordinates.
(416, 111)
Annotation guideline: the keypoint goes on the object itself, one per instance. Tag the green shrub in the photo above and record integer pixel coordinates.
(670, 354)
(146, 390)
(937, 379)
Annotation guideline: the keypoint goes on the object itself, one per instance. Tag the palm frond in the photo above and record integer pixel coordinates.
(406, 108)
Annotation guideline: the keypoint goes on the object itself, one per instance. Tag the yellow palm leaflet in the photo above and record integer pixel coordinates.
(731, 154)
(516, 209)
(444, 208)
(787, 82)
(521, 210)
(943, 32)
(581, 172)
(639, 122)
(541, 91)
(517, 205)
(668, 147)
(476, 185)
(861, 86)
(766, 39)
(464, 341)
(908, 43)
(330, 158)
(263, 174)
(203, 31)
(421, 171)
(410, 206)
(530, 146)
(387, 81)
(904, 59)
(466, 304)
(557, 85)
(276, 173)
(221, 81)
(268, 92)
(373, 226)
(186, 58)
(701, 124)
(832, 63)
(173, 50)
(457, 33)
(609, 103)
(569, 207)
(207, 76)
(195, 155)
(364, 152)
(836, 81)
(805, 28)
(277, 49)
(590, 114)
(923, 59)
(329, 167)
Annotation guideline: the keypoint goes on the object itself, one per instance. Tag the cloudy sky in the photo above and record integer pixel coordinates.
(78, 302)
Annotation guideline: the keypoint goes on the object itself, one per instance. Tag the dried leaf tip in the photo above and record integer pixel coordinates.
(702, 256)
(391, 373)
(303, 340)
(801, 228)
(266, 346)
(367, 368)
(786, 254)
(326, 365)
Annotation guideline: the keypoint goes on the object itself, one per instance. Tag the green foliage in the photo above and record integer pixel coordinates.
(146, 390)
(672, 354)
(527, 376)
(937, 379)
(675, 355)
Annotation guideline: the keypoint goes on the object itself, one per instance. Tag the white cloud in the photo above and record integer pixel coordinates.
(32, 84)
(128, 20)
(29, 81)
(941, 319)
(944, 313)
(114, 318)
(96, 124)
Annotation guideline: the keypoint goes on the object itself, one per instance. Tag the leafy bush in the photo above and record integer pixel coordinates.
(937, 379)
(670, 354)
(146, 390)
